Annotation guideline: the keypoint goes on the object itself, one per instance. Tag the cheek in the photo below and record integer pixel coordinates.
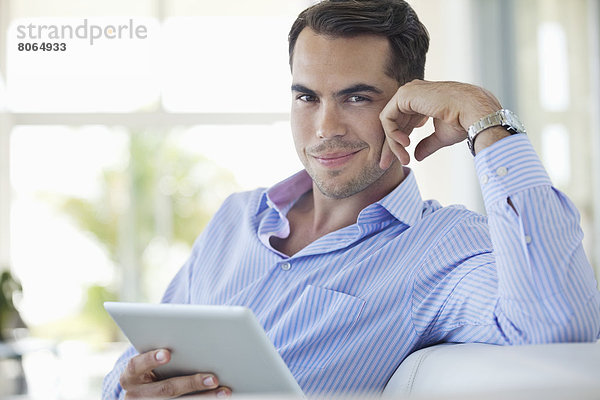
(300, 124)
(369, 127)
(299, 132)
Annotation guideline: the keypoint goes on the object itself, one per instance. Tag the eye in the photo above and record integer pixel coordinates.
(307, 98)
(357, 99)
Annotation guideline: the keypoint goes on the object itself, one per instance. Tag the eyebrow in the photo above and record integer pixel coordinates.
(359, 87)
(303, 89)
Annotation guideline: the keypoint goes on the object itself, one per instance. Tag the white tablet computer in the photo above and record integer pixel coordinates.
(225, 340)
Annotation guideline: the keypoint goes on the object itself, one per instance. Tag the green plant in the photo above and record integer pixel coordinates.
(9, 315)
(164, 194)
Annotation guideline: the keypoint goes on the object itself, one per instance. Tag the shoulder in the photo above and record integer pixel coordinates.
(240, 203)
(461, 236)
(236, 211)
(454, 221)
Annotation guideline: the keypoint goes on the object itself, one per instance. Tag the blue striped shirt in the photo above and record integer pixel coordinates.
(347, 309)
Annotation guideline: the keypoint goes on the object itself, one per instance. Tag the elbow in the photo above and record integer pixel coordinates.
(582, 325)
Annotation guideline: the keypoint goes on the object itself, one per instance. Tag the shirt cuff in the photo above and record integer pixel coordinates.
(508, 167)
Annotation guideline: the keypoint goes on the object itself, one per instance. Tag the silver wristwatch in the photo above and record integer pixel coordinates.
(505, 118)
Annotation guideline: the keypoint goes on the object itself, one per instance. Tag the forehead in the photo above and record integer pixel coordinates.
(359, 57)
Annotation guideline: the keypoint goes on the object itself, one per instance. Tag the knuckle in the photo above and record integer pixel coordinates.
(123, 381)
(167, 389)
(148, 377)
(188, 384)
(131, 367)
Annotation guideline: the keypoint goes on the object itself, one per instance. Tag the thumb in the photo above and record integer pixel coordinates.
(428, 146)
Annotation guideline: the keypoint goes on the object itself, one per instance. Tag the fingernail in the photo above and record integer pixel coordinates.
(222, 393)
(161, 356)
(209, 381)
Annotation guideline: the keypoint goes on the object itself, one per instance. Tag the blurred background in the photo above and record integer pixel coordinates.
(115, 154)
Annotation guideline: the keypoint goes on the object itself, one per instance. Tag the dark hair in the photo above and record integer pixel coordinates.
(393, 19)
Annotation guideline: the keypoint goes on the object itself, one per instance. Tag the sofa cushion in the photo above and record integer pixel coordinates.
(451, 369)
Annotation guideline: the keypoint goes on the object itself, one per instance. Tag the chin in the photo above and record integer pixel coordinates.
(343, 190)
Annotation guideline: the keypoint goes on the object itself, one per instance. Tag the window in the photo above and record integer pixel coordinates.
(113, 155)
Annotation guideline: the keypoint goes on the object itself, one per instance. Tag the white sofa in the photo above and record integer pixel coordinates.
(551, 371)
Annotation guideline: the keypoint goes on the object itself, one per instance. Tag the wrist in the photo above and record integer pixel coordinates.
(491, 128)
(489, 137)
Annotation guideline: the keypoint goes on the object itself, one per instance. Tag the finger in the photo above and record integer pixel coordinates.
(394, 123)
(223, 391)
(390, 113)
(139, 368)
(393, 131)
(175, 387)
(387, 157)
(412, 122)
(420, 120)
(428, 146)
(400, 137)
(394, 137)
(399, 151)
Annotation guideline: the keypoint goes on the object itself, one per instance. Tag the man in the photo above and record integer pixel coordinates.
(347, 269)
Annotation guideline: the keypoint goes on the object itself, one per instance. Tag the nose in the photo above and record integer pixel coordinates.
(330, 122)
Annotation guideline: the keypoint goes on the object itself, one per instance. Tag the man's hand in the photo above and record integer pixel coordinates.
(453, 106)
(139, 381)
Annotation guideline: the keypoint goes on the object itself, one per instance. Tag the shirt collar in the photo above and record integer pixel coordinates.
(285, 193)
(404, 202)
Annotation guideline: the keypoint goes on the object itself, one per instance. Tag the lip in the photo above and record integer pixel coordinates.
(335, 159)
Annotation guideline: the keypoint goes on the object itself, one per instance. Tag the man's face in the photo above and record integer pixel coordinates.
(339, 88)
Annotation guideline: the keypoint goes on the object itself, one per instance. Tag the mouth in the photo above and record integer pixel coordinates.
(335, 159)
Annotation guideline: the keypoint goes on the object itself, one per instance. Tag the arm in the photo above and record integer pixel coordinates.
(545, 283)
(545, 287)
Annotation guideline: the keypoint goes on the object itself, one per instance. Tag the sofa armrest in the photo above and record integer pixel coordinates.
(454, 369)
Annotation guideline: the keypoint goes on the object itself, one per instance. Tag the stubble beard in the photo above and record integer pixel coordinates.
(332, 185)
(344, 190)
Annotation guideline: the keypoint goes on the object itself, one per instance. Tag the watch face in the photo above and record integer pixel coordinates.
(513, 121)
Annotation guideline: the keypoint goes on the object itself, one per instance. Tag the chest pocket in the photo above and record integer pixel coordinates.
(315, 327)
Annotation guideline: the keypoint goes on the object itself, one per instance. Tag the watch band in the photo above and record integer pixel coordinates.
(505, 118)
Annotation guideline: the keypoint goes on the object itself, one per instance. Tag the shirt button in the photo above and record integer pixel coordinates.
(502, 171)
(484, 179)
(286, 266)
(527, 239)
